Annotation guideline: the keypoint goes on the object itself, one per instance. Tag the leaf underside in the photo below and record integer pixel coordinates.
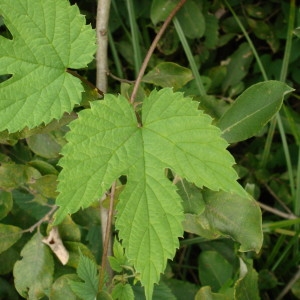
(48, 37)
(106, 142)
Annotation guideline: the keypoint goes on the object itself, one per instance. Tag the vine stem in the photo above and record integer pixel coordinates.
(152, 48)
(46, 218)
(107, 236)
(103, 9)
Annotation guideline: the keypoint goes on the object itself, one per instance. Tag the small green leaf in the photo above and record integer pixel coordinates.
(35, 206)
(34, 272)
(160, 9)
(45, 185)
(119, 260)
(87, 271)
(161, 291)
(237, 67)
(73, 248)
(60, 289)
(14, 175)
(44, 145)
(106, 142)
(234, 216)
(198, 224)
(43, 167)
(214, 270)
(48, 38)
(192, 197)
(205, 293)
(168, 74)
(122, 292)
(9, 235)
(69, 230)
(181, 289)
(246, 286)
(6, 203)
(211, 30)
(252, 110)
(191, 20)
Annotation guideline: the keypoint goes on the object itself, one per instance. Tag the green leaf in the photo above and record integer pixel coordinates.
(252, 110)
(69, 230)
(160, 9)
(205, 293)
(15, 175)
(198, 224)
(48, 38)
(45, 185)
(122, 292)
(44, 145)
(211, 30)
(87, 271)
(168, 74)
(181, 289)
(228, 215)
(238, 65)
(6, 203)
(107, 141)
(119, 260)
(192, 197)
(191, 20)
(73, 248)
(161, 291)
(234, 216)
(60, 289)
(246, 286)
(34, 272)
(43, 167)
(9, 235)
(214, 270)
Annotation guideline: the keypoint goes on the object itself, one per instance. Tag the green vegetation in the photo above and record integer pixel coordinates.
(115, 184)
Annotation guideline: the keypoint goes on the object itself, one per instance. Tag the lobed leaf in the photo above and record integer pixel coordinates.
(106, 142)
(48, 37)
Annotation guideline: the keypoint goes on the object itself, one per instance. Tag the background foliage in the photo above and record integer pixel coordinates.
(204, 36)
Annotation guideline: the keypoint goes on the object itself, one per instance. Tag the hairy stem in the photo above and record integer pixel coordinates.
(152, 48)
